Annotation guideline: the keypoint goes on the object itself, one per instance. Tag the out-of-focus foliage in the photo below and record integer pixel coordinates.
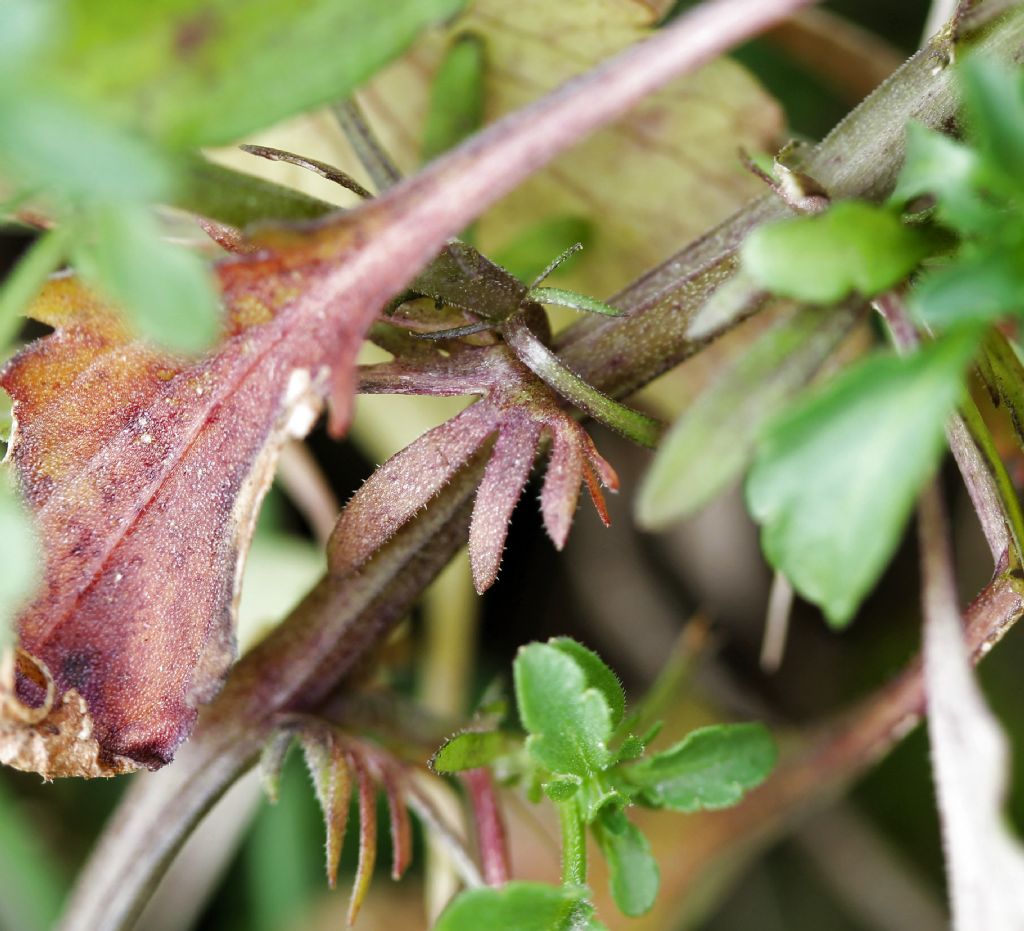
(93, 141)
(836, 476)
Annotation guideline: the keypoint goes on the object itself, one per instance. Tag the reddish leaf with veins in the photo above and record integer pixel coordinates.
(516, 409)
(145, 473)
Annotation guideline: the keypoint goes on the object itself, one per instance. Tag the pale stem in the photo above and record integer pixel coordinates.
(776, 625)
(304, 482)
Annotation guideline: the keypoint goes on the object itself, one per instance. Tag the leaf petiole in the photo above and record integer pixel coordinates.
(574, 842)
(549, 368)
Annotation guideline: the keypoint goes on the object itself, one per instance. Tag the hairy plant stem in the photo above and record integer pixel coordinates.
(574, 843)
(337, 624)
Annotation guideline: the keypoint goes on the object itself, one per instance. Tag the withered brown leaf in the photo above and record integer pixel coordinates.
(145, 473)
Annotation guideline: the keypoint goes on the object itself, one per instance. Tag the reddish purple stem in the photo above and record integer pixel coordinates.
(490, 826)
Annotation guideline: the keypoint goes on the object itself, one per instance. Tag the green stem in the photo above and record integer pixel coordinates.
(999, 479)
(549, 368)
(574, 843)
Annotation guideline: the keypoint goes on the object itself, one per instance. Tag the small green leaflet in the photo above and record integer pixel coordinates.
(469, 750)
(523, 906)
(852, 248)
(836, 476)
(634, 876)
(568, 719)
(712, 767)
(456, 98)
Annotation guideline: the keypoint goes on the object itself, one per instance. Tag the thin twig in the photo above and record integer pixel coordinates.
(371, 154)
(310, 164)
(304, 482)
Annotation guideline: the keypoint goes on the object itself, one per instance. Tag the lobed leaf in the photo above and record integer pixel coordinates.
(568, 720)
(144, 472)
(712, 767)
(599, 676)
(835, 477)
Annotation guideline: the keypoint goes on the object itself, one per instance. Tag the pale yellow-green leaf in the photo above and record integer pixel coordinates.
(645, 186)
(650, 183)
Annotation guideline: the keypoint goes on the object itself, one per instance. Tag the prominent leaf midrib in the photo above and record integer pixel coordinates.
(229, 387)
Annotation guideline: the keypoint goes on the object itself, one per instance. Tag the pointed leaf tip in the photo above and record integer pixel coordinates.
(560, 494)
(390, 497)
(367, 837)
(328, 764)
(399, 822)
(272, 762)
(505, 477)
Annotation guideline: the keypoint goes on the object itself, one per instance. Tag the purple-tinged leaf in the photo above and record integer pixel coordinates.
(272, 762)
(561, 491)
(329, 766)
(367, 836)
(402, 486)
(303, 302)
(504, 479)
(401, 826)
(520, 408)
(490, 826)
